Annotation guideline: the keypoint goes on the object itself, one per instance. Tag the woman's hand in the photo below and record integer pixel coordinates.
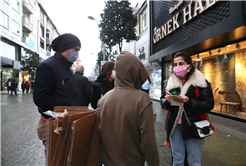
(183, 99)
(168, 97)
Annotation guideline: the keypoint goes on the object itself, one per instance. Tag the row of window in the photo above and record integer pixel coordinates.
(16, 4)
(15, 25)
(5, 23)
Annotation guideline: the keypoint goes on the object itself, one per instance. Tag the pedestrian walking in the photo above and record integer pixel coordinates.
(23, 86)
(146, 86)
(126, 121)
(9, 85)
(104, 83)
(13, 87)
(27, 86)
(83, 83)
(32, 86)
(183, 82)
(55, 84)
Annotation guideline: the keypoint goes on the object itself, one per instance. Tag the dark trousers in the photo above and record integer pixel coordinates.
(14, 91)
(23, 90)
(27, 89)
(9, 89)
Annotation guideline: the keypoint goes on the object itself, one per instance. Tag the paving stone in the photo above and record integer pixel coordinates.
(20, 145)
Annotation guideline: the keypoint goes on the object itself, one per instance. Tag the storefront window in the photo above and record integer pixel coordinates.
(155, 76)
(168, 71)
(7, 50)
(6, 74)
(226, 73)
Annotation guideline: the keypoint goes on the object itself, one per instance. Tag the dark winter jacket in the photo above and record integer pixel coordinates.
(84, 85)
(55, 85)
(204, 105)
(13, 85)
(22, 85)
(100, 88)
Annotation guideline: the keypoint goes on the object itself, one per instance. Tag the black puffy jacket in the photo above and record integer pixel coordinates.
(55, 85)
(100, 88)
(204, 105)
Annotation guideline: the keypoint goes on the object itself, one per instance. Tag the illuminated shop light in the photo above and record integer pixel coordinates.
(238, 46)
(219, 51)
(225, 59)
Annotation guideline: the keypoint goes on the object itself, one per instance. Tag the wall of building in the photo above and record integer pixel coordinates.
(7, 8)
(14, 44)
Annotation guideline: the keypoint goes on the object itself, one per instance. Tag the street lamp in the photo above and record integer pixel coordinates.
(103, 46)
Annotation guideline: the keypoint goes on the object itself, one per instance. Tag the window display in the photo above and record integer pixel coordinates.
(155, 76)
(226, 73)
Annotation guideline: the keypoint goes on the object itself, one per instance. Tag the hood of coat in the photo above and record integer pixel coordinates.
(130, 71)
(197, 79)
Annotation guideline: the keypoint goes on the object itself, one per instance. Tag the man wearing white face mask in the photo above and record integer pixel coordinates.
(55, 84)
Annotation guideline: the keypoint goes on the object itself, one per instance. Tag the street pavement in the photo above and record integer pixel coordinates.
(20, 145)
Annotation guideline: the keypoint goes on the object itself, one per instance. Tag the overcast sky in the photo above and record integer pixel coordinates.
(71, 16)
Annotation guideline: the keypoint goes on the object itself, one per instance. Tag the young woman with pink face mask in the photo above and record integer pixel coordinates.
(182, 82)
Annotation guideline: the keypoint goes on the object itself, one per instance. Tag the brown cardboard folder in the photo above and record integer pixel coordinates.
(77, 141)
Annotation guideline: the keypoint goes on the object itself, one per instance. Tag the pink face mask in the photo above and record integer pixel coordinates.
(180, 70)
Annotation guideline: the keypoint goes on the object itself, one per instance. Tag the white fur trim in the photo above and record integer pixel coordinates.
(197, 79)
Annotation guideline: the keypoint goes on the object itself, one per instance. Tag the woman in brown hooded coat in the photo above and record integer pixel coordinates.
(126, 121)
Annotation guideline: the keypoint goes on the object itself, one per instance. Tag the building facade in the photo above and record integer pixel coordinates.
(214, 34)
(143, 49)
(20, 31)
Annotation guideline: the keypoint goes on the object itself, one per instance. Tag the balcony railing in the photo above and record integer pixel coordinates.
(27, 26)
(27, 7)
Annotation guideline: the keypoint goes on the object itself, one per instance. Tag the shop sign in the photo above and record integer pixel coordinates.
(173, 24)
(10, 37)
(30, 42)
(176, 6)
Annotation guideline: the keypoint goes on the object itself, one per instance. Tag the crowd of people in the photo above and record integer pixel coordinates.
(12, 86)
(125, 120)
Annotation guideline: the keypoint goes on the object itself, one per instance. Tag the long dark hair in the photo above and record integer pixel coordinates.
(187, 59)
(107, 69)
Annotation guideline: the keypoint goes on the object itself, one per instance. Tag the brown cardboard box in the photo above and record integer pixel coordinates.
(77, 141)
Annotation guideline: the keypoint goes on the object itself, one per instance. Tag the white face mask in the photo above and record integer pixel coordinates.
(73, 56)
(113, 74)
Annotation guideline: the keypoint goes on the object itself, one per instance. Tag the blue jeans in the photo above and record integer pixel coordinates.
(193, 147)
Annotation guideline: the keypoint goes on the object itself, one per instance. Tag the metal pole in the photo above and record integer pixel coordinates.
(103, 45)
